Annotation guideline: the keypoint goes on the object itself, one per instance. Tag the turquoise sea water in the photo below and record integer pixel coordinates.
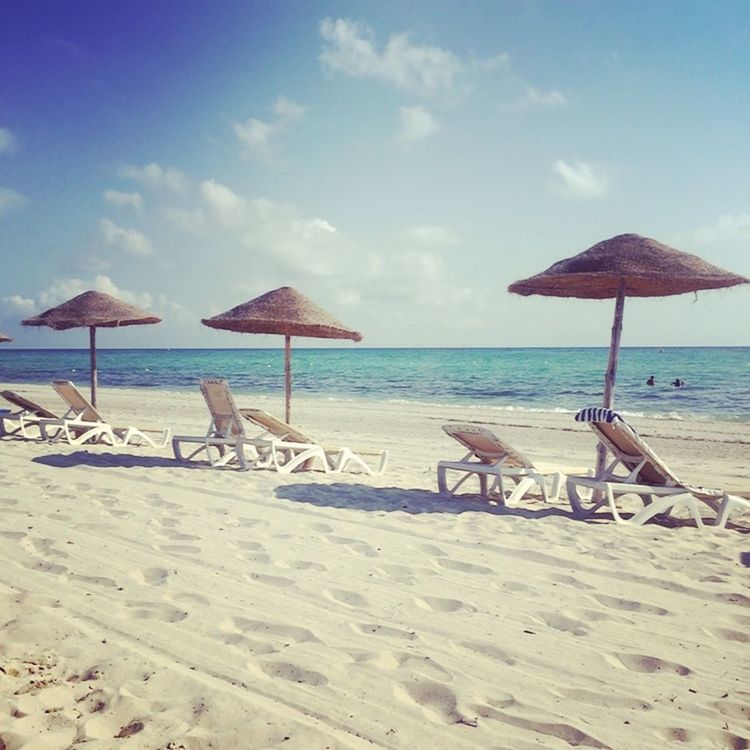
(717, 379)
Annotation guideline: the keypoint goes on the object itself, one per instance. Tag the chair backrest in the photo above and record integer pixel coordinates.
(23, 403)
(628, 446)
(487, 446)
(275, 426)
(76, 401)
(227, 421)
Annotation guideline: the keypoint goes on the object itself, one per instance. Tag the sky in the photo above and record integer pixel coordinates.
(399, 163)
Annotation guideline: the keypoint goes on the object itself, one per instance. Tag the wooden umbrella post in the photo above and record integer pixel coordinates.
(92, 352)
(611, 376)
(288, 377)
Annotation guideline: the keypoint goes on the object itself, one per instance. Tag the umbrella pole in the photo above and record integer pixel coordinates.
(611, 376)
(288, 377)
(92, 351)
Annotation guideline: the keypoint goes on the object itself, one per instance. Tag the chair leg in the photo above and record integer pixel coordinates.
(728, 504)
(664, 505)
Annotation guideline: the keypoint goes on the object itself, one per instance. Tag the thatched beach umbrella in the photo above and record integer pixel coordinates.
(287, 312)
(4, 339)
(92, 310)
(625, 266)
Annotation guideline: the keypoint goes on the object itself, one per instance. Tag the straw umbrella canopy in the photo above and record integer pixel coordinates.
(4, 339)
(627, 265)
(286, 312)
(92, 310)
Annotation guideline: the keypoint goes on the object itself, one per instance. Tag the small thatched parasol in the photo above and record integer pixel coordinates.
(4, 338)
(92, 310)
(287, 312)
(626, 265)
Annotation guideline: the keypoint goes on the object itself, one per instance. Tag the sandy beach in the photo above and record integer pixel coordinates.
(147, 604)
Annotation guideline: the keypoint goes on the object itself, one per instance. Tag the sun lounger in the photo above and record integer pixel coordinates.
(512, 475)
(637, 470)
(225, 441)
(82, 423)
(289, 446)
(24, 421)
(278, 446)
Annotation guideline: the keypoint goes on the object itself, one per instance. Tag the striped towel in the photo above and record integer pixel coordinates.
(597, 414)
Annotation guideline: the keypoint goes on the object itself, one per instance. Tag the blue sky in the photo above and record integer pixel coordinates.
(399, 163)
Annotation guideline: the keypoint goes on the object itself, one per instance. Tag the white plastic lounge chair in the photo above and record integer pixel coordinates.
(225, 441)
(25, 418)
(637, 470)
(279, 446)
(512, 474)
(291, 449)
(82, 423)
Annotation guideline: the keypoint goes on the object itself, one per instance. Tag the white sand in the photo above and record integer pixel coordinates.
(148, 605)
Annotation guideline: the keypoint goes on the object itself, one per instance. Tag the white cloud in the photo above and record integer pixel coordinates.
(535, 98)
(580, 180)
(155, 176)
(8, 142)
(261, 138)
(129, 241)
(416, 124)
(10, 199)
(187, 221)
(350, 49)
(287, 110)
(228, 207)
(117, 198)
(728, 228)
(15, 304)
(64, 289)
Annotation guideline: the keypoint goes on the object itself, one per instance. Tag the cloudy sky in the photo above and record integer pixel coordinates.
(399, 163)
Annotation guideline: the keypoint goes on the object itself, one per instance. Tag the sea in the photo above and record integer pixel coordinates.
(717, 379)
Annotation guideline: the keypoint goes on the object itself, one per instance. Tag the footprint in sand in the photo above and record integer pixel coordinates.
(569, 581)
(272, 630)
(563, 622)
(249, 546)
(342, 596)
(436, 700)
(180, 549)
(431, 549)
(608, 700)
(278, 581)
(356, 545)
(152, 576)
(385, 631)
(156, 611)
(42, 547)
(95, 580)
(628, 605)
(293, 673)
(46, 567)
(323, 528)
(438, 604)
(303, 565)
(463, 567)
(726, 634)
(491, 651)
(649, 664)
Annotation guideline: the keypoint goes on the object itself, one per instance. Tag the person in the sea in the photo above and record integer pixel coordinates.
(678, 383)
(650, 381)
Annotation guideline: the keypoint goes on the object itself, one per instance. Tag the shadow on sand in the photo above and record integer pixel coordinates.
(110, 460)
(389, 499)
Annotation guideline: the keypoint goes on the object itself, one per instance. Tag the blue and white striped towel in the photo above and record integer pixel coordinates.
(597, 414)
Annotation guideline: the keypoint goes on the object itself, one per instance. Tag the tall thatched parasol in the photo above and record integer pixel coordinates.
(626, 265)
(92, 310)
(4, 338)
(287, 312)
